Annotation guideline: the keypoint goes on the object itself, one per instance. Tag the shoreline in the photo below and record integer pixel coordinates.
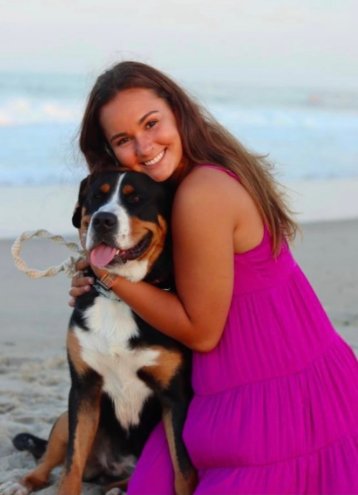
(51, 207)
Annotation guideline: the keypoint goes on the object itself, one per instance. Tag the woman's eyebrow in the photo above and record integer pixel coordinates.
(147, 115)
(141, 120)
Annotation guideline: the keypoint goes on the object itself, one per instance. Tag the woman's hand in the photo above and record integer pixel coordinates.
(80, 285)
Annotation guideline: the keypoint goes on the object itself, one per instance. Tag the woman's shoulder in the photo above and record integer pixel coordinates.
(211, 185)
(201, 193)
(202, 178)
(212, 197)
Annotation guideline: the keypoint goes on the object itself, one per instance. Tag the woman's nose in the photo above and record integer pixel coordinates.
(144, 147)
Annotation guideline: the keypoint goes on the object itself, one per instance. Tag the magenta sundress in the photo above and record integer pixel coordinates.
(275, 409)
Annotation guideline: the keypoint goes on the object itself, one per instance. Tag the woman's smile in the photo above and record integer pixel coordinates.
(155, 160)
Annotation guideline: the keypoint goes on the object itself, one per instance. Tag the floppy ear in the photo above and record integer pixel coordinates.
(77, 212)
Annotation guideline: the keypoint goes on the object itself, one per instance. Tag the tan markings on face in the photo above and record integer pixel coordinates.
(54, 456)
(128, 189)
(74, 352)
(139, 229)
(105, 188)
(184, 483)
(85, 219)
(166, 365)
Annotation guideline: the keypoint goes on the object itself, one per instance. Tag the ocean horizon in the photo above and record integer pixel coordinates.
(307, 134)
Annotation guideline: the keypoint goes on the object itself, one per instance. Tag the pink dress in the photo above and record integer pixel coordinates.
(275, 409)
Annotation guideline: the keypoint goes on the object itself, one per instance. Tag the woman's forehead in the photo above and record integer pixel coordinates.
(132, 104)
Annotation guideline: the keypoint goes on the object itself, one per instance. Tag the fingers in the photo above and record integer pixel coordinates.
(81, 281)
(77, 291)
(81, 265)
(79, 286)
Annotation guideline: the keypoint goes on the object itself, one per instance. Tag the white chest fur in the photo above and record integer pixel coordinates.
(105, 349)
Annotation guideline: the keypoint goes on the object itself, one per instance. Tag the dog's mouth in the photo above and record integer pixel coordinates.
(104, 254)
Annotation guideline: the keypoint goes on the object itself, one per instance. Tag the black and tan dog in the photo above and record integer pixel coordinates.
(126, 376)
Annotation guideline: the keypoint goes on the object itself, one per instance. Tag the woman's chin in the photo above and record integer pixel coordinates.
(160, 173)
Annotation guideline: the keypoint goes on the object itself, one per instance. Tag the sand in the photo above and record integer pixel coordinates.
(34, 378)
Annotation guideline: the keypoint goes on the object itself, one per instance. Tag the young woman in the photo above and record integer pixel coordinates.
(276, 389)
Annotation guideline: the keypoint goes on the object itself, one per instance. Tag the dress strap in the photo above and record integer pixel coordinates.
(223, 169)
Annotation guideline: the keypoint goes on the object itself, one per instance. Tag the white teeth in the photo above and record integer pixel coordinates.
(156, 159)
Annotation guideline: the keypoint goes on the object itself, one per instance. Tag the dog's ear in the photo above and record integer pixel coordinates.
(77, 212)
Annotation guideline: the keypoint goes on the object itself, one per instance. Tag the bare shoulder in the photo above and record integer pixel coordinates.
(206, 186)
(207, 177)
(209, 195)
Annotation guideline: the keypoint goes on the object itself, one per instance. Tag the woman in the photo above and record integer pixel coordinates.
(276, 389)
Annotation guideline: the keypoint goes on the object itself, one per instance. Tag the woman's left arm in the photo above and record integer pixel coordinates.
(203, 224)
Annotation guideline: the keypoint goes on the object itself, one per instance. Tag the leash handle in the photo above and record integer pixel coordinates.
(67, 266)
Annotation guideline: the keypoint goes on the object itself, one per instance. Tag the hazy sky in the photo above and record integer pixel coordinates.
(302, 43)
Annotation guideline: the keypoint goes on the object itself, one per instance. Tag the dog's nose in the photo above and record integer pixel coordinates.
(105, 221)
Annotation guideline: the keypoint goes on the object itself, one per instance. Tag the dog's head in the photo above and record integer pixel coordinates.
(123, 220)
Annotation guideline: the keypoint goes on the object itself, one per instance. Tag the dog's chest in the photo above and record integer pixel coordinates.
(105, 349)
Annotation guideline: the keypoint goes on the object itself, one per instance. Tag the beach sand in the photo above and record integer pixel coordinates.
(34, 377)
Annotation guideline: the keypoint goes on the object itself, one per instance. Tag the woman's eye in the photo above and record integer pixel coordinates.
(151, 123)
(123, 141)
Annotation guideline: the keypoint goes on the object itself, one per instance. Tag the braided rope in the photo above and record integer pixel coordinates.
(67, 266)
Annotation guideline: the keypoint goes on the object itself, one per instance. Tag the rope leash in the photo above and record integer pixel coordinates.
(67, 266)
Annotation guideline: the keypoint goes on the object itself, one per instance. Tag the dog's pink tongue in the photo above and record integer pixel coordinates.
(102, 255)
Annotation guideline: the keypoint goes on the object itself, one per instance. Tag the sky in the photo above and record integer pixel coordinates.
(273, 43)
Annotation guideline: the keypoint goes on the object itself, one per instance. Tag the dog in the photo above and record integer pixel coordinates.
(125, 375)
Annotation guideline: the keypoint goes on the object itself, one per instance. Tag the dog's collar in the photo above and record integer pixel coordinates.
(102, 290)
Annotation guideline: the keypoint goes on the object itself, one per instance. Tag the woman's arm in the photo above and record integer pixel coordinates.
(203, 224)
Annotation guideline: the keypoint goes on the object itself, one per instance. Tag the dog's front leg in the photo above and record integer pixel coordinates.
(174, 415)
(84, 414)
(54, 455)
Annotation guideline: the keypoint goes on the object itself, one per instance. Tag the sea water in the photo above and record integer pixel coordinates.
(307, 134)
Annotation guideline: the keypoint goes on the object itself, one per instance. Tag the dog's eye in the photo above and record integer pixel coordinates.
(97, 196)
(134, 198)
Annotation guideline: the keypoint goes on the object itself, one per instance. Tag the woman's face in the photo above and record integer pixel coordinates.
(142, 131)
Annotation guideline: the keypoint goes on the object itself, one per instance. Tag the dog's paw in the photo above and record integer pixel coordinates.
(11, 488)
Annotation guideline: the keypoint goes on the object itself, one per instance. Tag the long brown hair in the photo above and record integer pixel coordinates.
(204, 141)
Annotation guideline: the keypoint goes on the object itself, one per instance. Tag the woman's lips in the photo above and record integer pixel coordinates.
(156, 160)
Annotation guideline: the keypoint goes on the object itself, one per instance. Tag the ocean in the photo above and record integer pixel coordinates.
(308, 134)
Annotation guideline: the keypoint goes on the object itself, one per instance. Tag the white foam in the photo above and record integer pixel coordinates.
(18, 111)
